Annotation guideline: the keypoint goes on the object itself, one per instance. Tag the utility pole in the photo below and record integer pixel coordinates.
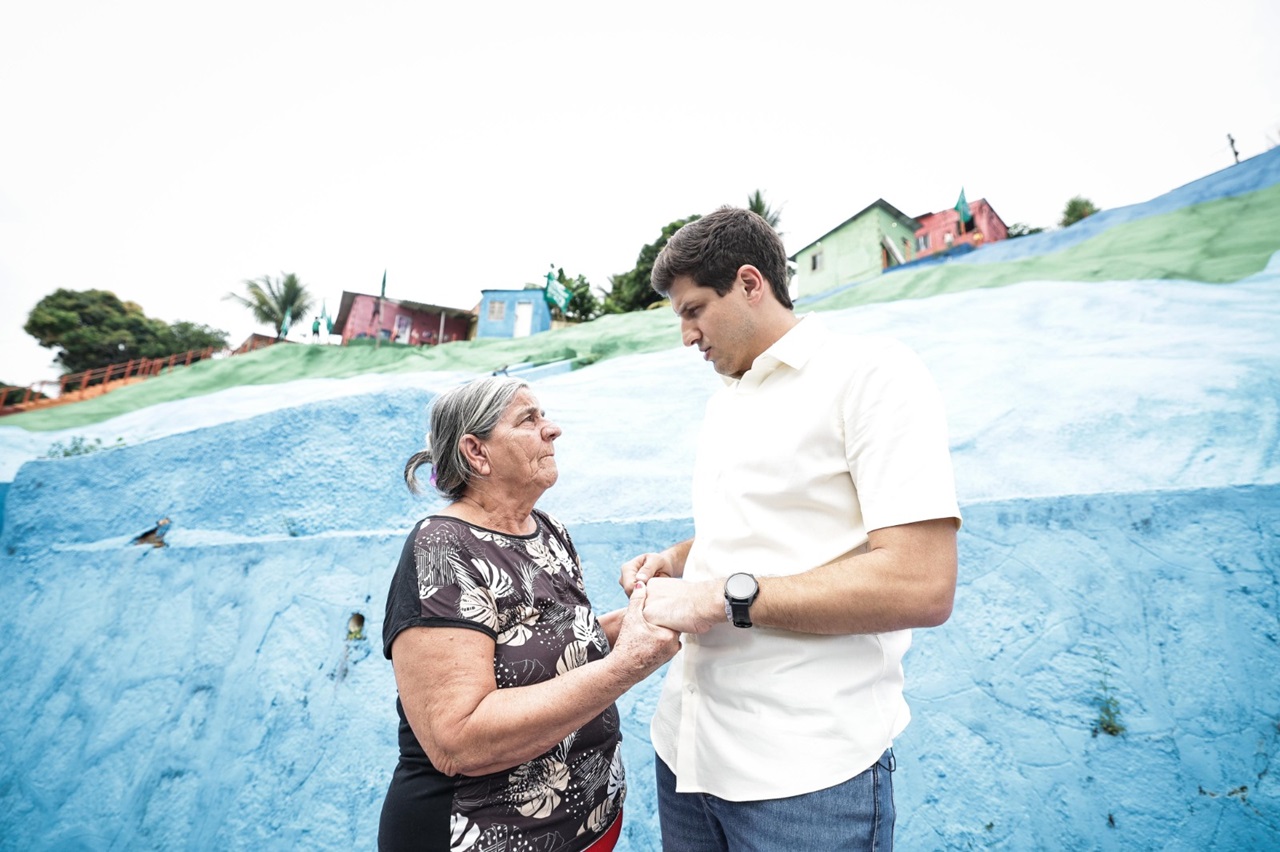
(1234, 152)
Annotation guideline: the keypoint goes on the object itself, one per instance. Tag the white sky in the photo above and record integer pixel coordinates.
(168, 154)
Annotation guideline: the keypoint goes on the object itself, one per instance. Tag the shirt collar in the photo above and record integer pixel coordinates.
(793, 349)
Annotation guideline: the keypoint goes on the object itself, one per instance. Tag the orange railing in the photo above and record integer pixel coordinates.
(75, 386)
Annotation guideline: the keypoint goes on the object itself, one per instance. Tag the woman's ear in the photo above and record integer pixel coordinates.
(475, 453)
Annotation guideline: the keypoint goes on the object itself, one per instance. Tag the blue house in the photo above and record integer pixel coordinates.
(512, 313)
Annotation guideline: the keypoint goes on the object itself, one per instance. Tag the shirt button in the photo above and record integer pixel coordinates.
(691, 689)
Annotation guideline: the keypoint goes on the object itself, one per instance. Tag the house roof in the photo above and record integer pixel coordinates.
(349, 298)
(879, 202)
(978, 202)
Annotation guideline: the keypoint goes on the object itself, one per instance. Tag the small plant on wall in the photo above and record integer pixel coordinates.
(1108, 721)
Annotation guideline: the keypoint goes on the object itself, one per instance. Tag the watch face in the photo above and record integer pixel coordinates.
(740, 586)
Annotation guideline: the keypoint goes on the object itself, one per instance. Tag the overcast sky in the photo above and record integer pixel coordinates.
(169, 151)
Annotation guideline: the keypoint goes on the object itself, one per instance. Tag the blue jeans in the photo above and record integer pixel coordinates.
(856, 815)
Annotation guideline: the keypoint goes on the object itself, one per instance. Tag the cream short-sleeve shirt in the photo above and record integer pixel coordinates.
(825, 438)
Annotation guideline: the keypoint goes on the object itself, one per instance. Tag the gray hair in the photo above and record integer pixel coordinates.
(471, 409)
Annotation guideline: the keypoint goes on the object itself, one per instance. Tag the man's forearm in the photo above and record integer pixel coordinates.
(906, 579)
(676, 555)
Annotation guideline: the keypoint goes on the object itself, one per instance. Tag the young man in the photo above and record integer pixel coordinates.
(825, 525)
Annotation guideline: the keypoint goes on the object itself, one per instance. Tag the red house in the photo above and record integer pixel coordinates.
(361, 316)
(942, 230)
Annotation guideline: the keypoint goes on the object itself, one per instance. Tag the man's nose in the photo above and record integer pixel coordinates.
(552, 431)
(689, 334)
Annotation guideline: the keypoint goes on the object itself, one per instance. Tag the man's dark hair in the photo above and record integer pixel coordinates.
(711, 249)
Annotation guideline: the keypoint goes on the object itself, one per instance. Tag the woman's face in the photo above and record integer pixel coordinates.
(520, 448)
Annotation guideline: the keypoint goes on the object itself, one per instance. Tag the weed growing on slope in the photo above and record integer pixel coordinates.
(1108, 705)
(78, 446)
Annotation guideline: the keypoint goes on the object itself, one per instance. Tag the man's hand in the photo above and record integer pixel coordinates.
(685, 606)
(644, 568)
(642, 646)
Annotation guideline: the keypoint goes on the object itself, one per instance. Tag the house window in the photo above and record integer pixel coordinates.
(922, 242)
(815, 262)
(497, 311)
(948, 238)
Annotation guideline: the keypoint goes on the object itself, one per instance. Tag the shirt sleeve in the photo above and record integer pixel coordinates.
(896, 441)
(443, 580)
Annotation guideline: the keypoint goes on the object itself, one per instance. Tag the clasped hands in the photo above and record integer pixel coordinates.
(679, 605)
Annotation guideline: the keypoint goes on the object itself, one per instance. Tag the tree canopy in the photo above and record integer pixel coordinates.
(1077, 208)
(631, 291)
(583, 305)
(1022, 229)
(270, 300)
(94, 328)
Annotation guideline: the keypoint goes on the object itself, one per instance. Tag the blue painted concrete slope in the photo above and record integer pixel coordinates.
(1117, 453)
(206, 695)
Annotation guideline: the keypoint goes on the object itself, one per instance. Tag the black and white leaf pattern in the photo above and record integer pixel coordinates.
(584, 625)
(540, 552)
(537, 786)
(617, 776)
(463, 833)
(520, 630)
(499, 582)
(575, 655)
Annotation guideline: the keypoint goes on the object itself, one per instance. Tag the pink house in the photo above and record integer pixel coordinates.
(414, 323)
(942, 230)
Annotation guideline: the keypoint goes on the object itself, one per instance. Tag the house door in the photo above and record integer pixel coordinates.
(403, 324)
(524, 319)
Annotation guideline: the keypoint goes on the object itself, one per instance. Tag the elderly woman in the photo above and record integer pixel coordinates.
(509, 737)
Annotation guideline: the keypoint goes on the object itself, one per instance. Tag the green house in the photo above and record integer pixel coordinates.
(875, 238)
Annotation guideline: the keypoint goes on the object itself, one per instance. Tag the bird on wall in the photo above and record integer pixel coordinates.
(155, 535)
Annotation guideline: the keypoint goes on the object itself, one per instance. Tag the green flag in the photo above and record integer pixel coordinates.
(284, 323)
(962, 207)
(328, 320)
(384, 278)
(557, 295)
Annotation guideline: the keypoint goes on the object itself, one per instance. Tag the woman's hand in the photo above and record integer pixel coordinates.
(641, 646)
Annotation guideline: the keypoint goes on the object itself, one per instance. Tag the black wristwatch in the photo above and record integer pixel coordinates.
(740, 591)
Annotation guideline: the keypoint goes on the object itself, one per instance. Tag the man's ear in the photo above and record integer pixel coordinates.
(473, 450)
(754, 284)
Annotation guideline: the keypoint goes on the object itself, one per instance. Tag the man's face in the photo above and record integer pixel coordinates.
(722, 327)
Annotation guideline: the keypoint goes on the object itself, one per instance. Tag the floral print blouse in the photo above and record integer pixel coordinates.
(527, 594)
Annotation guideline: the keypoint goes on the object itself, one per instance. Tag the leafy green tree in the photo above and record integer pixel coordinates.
(1077, 208)
(583, 305)
(631, 291)
(756, 204)
(94, 328)
(1022, 229)
(189, 336)
(271, 300)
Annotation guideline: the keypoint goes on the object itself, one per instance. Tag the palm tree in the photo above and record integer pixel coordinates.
(271, 301)
(756, 204)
